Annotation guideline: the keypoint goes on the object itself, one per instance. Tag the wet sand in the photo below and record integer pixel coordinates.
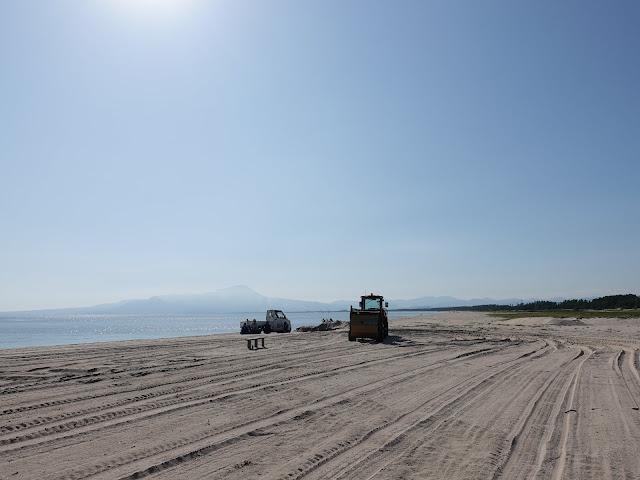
(454, 395)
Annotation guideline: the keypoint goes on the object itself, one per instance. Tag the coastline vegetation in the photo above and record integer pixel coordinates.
(629, 313)
(610, 306)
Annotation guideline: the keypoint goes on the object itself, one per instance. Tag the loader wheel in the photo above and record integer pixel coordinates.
(351, 338)
(380, 334)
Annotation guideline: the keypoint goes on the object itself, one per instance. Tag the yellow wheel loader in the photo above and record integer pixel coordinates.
(370, 320)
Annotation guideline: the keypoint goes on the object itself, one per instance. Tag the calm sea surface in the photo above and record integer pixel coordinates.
(31, 330)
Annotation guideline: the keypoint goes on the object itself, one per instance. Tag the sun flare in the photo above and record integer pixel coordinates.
(153, 10)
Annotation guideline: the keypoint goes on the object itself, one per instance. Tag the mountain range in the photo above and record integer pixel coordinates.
(243, 299)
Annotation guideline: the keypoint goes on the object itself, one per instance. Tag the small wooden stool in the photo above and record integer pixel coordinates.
(255, 343)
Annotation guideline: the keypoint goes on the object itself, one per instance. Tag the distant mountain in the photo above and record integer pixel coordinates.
(243, 299)
(227, 300)
(444, 302)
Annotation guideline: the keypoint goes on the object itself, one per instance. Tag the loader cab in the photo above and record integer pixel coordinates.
(372, 302)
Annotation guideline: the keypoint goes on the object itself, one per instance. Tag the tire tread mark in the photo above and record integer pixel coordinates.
(571, 391)
(523, 425)
(482, 382)
(195, 400)
(330, 401)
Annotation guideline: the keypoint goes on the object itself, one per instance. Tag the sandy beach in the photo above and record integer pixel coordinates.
(453, 395)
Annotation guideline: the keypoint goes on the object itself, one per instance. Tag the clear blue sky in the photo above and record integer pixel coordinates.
(318, 149)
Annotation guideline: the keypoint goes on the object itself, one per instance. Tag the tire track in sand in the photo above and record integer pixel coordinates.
(376, 446)
(196, 447)
(231, 376)
(77, 429)
(536, 426)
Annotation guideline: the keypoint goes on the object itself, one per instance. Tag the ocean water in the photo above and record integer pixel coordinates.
(33, 329)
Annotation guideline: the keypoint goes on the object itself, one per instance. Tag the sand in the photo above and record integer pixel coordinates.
(455, 395)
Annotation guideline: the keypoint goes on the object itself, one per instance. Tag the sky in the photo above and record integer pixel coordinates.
(318, 149)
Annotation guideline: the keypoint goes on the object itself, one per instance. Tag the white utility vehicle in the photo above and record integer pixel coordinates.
(275, 321)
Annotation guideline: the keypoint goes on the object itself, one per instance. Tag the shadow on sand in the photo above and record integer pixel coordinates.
(390, 340)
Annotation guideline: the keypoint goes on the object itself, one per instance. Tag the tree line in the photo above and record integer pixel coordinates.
(609, 302)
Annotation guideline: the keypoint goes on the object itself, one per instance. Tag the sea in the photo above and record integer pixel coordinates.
(24, 329)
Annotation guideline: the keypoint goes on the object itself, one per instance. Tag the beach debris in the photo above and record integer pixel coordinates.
(323, 327)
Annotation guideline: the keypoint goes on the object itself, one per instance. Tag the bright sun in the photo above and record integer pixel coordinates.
(154, 10)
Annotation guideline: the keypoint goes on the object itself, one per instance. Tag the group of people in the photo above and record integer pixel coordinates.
(252, 327)
(249, 327)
